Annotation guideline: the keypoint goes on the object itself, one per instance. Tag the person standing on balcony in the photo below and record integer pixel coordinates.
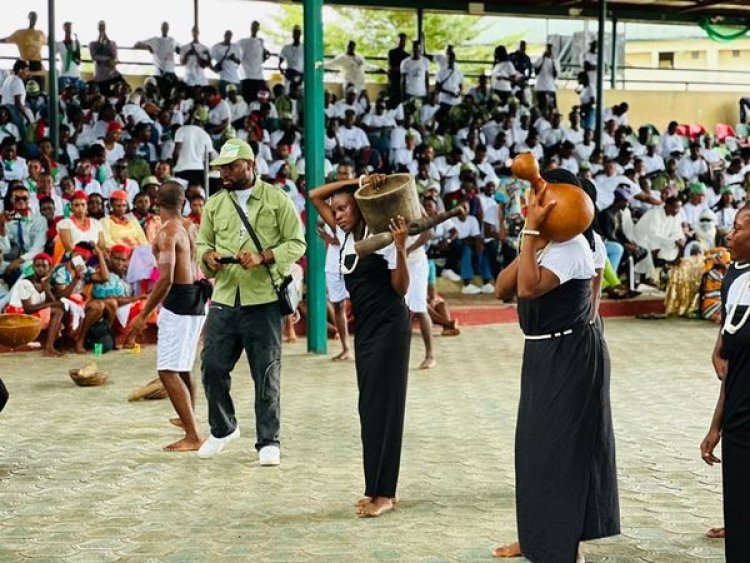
(196, 58)
(415, 74)
(227, 57)
(589, 63)
(294, 55)
(163, 48)
(69, 50)
(254, 54)
(395, 57)
(546, 70)
(30, 42)
(104, 54)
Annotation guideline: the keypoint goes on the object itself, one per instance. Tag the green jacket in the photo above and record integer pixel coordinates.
(277, 224)
(139, 169)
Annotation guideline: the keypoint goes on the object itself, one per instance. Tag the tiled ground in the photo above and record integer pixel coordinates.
(82, 476)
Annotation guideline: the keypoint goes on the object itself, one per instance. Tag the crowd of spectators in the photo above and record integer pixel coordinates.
(76, 225)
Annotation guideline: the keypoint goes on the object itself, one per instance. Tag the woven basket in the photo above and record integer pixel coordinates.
(18, 330)
(98, 378)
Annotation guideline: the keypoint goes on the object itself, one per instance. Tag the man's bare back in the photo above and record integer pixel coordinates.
(174, 244)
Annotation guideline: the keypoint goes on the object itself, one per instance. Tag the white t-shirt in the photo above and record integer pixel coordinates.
(415, 72)
(195, 144)
(77, 235)
(451, 80)
(24, 289)
(569, 260)
(490, 210)
(333, 252)
(467, 228)
(501, 74)
(229, 68)
(545, 74)
(252, 57)
(163, 50)
(12, 86)
(130, 187)
(294, 55)
(353, 139)
(73, 71)
(219, 113)
(194, 73)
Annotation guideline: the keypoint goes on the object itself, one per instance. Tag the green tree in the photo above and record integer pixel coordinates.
(376, 32)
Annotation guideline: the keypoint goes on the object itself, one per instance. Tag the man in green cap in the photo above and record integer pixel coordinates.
(245, 313)
(697, 203)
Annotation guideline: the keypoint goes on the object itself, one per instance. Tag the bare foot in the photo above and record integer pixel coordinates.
(364, 500)
(450, 332)
(508, 551)
(176, 422)
(428, 363)
(716, 533)
(52, 353)
(184, 445)
(344, 355)
(376, 507)
(579, 556)
(80, 348)
(290, 339)
(127, 345)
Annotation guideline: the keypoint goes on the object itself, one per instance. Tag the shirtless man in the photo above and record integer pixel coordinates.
(182, 314)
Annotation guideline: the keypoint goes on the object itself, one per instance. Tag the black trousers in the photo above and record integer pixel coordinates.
(193, 177)
(249, 88)
(228, 331)
(3, 395)
(735, 468)
(165, 83)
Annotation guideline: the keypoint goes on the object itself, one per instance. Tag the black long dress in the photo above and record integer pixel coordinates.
(566, 478)
(735, 434)
(382, 340)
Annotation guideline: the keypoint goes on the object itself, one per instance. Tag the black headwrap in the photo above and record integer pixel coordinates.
(562, 176)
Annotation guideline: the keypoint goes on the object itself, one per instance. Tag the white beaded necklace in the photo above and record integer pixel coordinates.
(730, 326)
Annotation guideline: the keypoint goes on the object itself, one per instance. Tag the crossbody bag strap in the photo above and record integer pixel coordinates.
(253, 236)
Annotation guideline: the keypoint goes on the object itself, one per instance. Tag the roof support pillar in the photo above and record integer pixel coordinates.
(420, 29)
(600, 73)
(613, 56)
(317, 336)
(52, 88)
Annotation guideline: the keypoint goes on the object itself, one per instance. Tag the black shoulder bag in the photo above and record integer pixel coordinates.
(288, 299)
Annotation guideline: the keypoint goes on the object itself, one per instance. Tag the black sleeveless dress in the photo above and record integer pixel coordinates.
(735, 434)
(382, 340)
(566, 478)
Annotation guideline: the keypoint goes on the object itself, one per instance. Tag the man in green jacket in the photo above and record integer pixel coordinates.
(244, 312)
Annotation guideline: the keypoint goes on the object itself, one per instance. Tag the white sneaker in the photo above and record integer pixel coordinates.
(470, 289)
(450, 275)
(488, 288)
(269, 456)
(213, 446)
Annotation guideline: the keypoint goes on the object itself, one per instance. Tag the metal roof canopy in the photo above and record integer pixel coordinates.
(725, 12)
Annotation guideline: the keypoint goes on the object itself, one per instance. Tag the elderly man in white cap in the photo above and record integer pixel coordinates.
(245, 312)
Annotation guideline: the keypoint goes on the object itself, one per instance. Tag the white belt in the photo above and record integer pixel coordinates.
(548, 336)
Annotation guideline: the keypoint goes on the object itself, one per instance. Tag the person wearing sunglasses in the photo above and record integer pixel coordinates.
(26, 234)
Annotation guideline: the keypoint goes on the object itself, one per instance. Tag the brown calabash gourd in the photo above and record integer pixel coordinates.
(574, 210)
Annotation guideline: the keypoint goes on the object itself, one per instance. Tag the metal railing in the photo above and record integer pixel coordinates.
(139, 62)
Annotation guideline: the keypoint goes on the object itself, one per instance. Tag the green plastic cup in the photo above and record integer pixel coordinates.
(98, 349)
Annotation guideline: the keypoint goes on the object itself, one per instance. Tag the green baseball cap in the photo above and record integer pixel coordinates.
(233, 149)
(697, 188)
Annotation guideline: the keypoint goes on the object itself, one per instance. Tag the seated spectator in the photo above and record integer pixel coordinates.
(68, 282)
(652, 161)
(121, 181)
(121, 302)
(84, 179)
(120, 228)
(45, 189)
(660, 232)
(671, 144)
(696, 204)
(26, 234)
(14, 166)
(197, 202)
(33, 296)
(669, 181)
(692, 167)
(618, 231)
(96, 207)
(725, 213)
(468, 249)
(7, 127)
(79, 227)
